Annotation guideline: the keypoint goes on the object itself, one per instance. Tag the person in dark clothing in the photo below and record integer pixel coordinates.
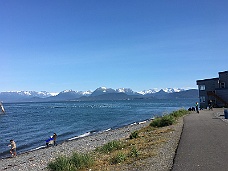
(197, 107)
(210, 105)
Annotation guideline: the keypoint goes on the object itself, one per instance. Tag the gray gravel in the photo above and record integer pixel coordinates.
(37, 160)
(163, 161)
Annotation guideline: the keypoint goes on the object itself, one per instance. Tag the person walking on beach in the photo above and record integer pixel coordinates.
(55, 137)
(197, 107)
(13, 148)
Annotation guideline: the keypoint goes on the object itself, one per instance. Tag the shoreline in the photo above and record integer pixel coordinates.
(37, 159)
(162, 161)
(86, 134)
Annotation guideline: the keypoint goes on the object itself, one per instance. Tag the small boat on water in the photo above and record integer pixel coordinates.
(2, 108)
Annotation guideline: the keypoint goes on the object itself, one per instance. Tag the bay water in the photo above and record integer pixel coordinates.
(30, 124)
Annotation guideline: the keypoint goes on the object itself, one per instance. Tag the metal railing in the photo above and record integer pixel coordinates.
(212, 93)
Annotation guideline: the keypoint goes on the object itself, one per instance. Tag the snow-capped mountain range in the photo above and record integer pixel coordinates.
(15, 96)
(128, 91)
(155, 90)
(31, 93)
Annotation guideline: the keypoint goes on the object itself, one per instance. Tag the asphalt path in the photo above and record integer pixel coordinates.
(204, 143)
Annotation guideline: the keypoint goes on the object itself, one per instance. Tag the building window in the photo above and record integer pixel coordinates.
(201, 87)
(222, 85)
(202, 99)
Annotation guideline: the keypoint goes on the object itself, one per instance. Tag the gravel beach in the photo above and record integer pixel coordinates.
(37, 160)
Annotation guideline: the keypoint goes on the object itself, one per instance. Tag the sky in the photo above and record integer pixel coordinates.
(81, 45)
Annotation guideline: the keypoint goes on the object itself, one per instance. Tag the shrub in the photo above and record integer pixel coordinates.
(73, 163)
(156, 122)
(134, 134)
(163, 121)
(118, 158)
(111, 146)
(179, 113)
(81, 160)
(168, 119)
(60, 164)
(134, 152)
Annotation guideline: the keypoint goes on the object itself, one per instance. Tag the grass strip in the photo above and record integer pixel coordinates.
(140, 145)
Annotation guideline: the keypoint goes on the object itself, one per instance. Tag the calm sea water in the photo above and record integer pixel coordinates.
(30, 124)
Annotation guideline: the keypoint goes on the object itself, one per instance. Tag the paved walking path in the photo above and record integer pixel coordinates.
(204, 143)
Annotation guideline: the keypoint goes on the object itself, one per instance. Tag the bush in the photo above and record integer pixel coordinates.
(134, 134)
(179, 113)
(156, 122)
(168, 119)
(134, 152)
(163, 121)
(120, 157)
(111, 146)
(81, 160)
(60, 164)
(73, 163)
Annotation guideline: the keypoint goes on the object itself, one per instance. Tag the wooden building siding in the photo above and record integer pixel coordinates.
(223, 78)
(210, 85)
(222, 93)
(215, 89)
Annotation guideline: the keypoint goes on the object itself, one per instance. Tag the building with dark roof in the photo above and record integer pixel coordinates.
(214, 91)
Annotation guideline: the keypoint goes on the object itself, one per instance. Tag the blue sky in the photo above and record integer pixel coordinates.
(82, 45)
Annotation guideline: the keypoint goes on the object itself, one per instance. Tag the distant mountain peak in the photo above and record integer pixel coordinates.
(172, 90)
(88, 92)
(102, 90)
(150, 91)
(67, 91)
(127, 91)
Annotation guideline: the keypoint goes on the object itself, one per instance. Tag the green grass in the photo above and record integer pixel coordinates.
(134, 134)
(81, 160)
(163, 121)
(134, 152)
(75, 162)
(111, 146)
(179, 113)
(60, 164)
(118, 158)
(140, 145)
(169, 119)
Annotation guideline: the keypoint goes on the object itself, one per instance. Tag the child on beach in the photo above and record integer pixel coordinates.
(55, 137)
(13, 148)
(49, 141)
